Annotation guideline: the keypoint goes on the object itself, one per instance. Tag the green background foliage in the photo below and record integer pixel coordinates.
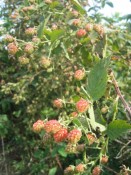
(27, 91)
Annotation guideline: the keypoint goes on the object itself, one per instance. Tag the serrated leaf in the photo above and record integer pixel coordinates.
(52, 171)
(116, 128)
(97, 81)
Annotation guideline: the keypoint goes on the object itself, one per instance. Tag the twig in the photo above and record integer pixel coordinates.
(4, 158)
(127, 107)
(118, 141)
(108, 168)
(119, 155)
(58, 162)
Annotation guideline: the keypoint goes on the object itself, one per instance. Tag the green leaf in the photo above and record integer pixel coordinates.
(93, 122)
(62, 152)
(52, 171)
(65, 50)
(92, 117)
(87, 121)
(77, 122)
(97, 81)
(54, 4)
(3, 118)
(56, 34)
(103, 3)
(116, 128)
(78, 6)
(110, 4)
(42, 26)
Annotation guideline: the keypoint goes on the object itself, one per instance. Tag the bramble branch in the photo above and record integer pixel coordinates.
(127, 107)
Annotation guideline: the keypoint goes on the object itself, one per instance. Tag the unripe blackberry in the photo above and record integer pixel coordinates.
(47, 139)
(80, 168)
(82, 105)
(30, 31)
(58, 103)
(99, 29)
(54, 27)
(35, 39)
(78, 89)
(75, 13)
(104, 110)
(61, 135)
(114, 58)
(28, 8)
(89, 27)
(70, 50)
(38, 126)
(76, 22)
(52, 126)
(79, 74)
(31, 7)
(71, 148)
(91, 138)
(81, 33)
(80, 147)
(23, 60)
(29, 48)
(69, 170)
(124, 172)
(32, 1)
(26, 18)
(74, 114)
(96, 170)
(45, 62)
(24, 9)
(104, 159)
(48, 1)
(66, 93)
(74, 136)
(9, 38)
(12, 48)
(14, 15)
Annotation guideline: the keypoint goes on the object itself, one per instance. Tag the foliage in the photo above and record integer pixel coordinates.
(38, 85)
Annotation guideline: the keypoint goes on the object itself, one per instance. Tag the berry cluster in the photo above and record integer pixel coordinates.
(91, 138)
(72, 170)
(58, 103)
(59, 132)
(52, 126)
(12, 48)
(38, 126)
(9, 38)
(74, 136)
(88, 28)
(29, 48)
(82, 105)
(45, 62)
(79, 74)
(30, 31)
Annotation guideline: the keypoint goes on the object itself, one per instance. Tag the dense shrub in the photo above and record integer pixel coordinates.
(62, 107)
